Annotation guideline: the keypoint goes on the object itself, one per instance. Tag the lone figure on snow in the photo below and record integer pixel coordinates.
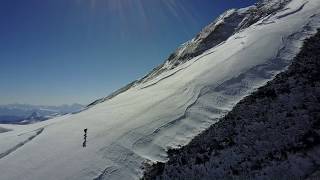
(85, 138)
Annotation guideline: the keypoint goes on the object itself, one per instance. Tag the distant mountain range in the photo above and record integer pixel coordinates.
(26, 113)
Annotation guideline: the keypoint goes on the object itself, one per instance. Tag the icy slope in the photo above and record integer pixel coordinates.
(166, 111)
(273, 133)
(228, 23)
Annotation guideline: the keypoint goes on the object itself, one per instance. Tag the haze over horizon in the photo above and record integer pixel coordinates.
(65, 52)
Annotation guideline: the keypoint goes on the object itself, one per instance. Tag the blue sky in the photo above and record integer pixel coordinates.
(65, 51)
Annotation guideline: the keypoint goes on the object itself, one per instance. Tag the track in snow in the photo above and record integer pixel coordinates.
(2, 155)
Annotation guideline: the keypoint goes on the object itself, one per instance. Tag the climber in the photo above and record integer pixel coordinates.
(85, 138)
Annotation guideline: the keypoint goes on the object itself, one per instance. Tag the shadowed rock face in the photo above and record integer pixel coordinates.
(264, 8)
(209, 37)
(272, 134)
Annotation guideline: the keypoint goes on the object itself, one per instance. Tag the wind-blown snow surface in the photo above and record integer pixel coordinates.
(274, 133)
(144, 121)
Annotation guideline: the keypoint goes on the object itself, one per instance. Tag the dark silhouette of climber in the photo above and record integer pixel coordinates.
(85, 138)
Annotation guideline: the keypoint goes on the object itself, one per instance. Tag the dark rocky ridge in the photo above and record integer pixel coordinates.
(272, 134)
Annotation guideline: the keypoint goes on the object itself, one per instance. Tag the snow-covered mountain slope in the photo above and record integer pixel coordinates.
(272, 134)
(228, 23)
(165, 111)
